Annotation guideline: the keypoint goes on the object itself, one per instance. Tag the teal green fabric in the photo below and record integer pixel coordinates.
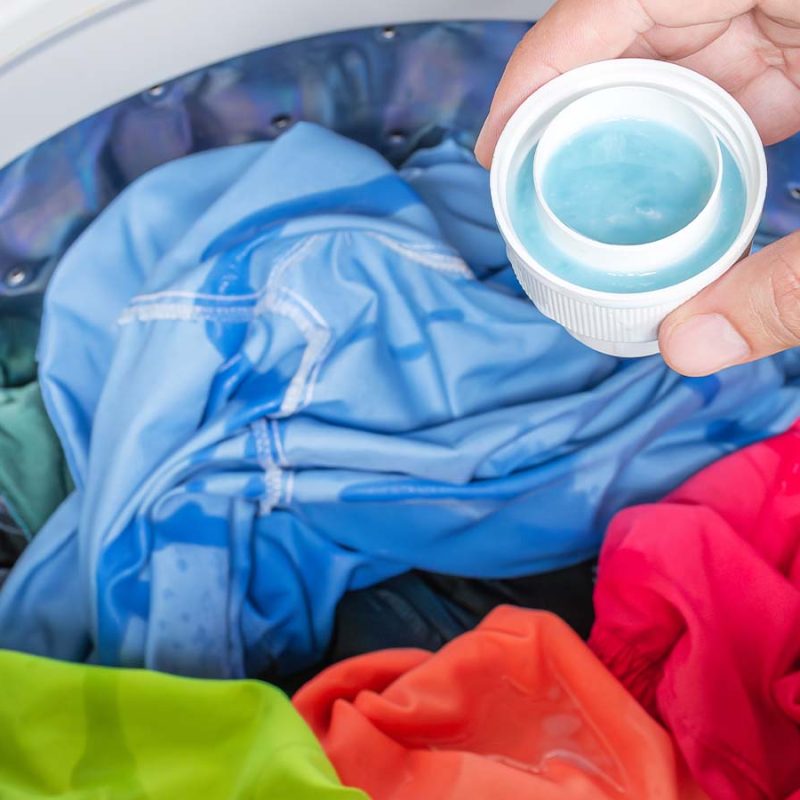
(18, 336)
(33, 475)
(94, 733)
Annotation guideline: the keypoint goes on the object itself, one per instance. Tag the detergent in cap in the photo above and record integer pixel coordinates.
(621, 189)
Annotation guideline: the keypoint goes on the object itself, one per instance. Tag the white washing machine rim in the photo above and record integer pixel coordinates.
(63, 60)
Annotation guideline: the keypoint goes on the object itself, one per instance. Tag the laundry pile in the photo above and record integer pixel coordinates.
(316, 437)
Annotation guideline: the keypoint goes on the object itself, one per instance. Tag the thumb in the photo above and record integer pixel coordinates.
(752, 311)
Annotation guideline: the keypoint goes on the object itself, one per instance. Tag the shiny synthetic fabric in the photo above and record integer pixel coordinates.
(86, 733)
(517, 708)
(289, 384)
(391, 90)
(566, 592)
(401, 612)
(425, 610)
(698, 614)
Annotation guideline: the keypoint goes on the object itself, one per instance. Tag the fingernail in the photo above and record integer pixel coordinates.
(704, 344)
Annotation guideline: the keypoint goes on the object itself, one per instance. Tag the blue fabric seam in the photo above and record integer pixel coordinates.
(184, 304)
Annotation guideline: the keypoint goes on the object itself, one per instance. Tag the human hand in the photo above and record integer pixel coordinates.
(752, 49)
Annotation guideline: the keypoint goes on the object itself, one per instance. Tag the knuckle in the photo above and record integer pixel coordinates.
(785, 297)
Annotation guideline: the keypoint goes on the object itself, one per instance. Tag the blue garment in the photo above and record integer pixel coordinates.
(274, 382)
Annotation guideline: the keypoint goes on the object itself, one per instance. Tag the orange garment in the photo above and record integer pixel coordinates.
(517, 708)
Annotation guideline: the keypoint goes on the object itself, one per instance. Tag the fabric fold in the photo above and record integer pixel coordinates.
(288, 385)
(519, 707)
(698, 613)
(82, 733)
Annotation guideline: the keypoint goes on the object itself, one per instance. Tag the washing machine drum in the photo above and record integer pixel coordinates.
(290, 404)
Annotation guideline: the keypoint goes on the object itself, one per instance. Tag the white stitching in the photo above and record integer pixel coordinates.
(317, 336)
(141, 305)
(290, 260)
(186, 295)
(289, 492)
(249, 298)
(312, 325)
(272, 474)
(261, 434)
(276, 437)
(438, 260)
(183, 312)
(274, 486)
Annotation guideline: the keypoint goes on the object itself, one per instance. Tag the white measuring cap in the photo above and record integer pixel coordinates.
(624, 323)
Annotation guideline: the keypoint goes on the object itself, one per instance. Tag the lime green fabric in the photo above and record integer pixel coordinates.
(33, 475)
(91, 733)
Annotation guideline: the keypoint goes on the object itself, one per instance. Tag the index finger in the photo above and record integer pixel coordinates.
(577, 32)
(570, 34)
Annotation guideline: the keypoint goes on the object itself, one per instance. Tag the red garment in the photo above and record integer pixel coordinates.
(517, 708)
(698, 614)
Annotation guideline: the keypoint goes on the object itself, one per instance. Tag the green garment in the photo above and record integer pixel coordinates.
(19, 333)
(80, 732)
(33, 475)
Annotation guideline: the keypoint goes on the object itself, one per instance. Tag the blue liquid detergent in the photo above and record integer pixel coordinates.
(657, 183)
(628, 182)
